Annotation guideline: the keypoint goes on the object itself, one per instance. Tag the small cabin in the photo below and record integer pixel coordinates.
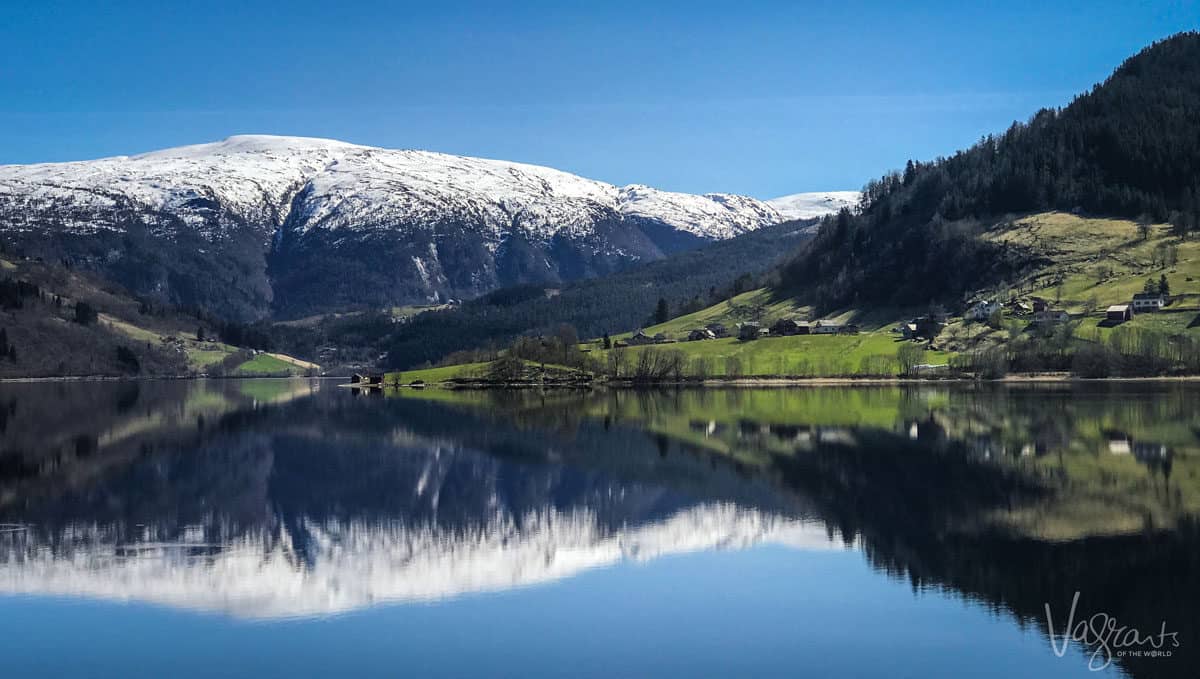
(700, 334)
(1119, 313)
(366, 378)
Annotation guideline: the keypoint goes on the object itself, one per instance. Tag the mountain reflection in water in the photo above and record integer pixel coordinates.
(284, 498)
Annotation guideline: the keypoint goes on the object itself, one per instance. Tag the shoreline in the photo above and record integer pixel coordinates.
(158, 378)
(778, 382)
(748, 382)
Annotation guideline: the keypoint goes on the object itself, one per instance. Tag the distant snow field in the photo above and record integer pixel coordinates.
(814, 204)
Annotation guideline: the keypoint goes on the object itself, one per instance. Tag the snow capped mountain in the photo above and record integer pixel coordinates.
(713, 215)
(346, 186)
(426, 225)
(814, 204)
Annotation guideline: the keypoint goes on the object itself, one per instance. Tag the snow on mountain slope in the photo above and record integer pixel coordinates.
(814, 204)
(256, 225)
(722, 215)
(346, 186)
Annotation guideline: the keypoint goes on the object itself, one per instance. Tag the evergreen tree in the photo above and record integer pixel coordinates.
(662, 312)
(1164, 286)
(85, 314)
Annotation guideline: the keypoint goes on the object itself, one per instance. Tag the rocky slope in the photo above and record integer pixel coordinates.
(259, 225)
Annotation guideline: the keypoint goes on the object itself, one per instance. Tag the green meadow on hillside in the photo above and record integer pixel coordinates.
(438, 374)
(869, 353)
(531, 370)
(873, 352)
(1096, 262)
(1083, 265)
(265, 364)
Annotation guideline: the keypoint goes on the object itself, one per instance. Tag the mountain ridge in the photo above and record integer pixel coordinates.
(259, 225)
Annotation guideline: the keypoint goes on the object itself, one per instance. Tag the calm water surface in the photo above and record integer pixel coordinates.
(295, 528)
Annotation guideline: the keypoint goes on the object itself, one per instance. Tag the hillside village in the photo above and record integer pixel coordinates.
(1107, 285)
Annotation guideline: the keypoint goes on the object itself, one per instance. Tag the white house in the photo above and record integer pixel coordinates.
(1148, 301)
(826, 328)
(982, 310)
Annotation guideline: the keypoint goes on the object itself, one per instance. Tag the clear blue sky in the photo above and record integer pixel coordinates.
(761, 98)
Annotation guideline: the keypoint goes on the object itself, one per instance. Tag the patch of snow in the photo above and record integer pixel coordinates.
(814, 204)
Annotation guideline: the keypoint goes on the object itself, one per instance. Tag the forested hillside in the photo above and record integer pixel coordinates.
(1128, 148)
(58, 321)
(685, 282)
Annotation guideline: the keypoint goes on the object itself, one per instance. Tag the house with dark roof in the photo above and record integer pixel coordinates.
(1148, 301)
(639, 338)
(717, 329)
(785, 326)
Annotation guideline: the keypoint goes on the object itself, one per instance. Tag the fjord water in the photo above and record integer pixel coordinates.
(294, 528)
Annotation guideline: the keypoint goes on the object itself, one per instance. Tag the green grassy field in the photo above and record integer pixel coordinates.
(794, 356)
(440, 374)
(765, 307)
(1168, 322)
(264, 364)
(756, 305)
(199, 359)
(463, 371)
(1101, 261)
(871, 352)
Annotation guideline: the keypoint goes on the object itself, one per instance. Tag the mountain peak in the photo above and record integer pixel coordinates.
(252, 143)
